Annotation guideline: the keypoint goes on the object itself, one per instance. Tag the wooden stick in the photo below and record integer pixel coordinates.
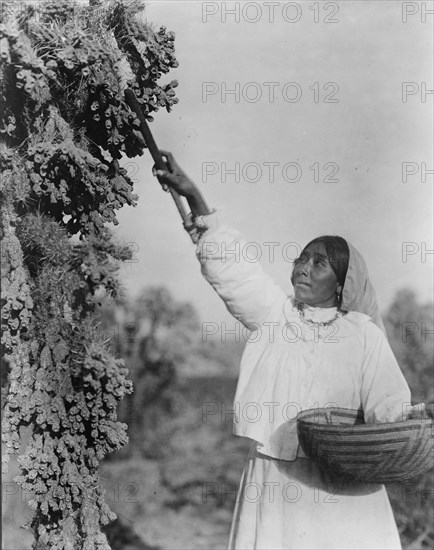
(130, 98)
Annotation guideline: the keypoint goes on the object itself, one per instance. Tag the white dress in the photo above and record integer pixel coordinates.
(284, 500)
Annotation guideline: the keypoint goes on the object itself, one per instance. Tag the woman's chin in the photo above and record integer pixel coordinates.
(301, 296)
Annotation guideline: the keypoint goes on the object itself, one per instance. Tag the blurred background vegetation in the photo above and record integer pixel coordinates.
(174, 485)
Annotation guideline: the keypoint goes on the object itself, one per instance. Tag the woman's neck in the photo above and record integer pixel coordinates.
(317, 314)
(307, 307)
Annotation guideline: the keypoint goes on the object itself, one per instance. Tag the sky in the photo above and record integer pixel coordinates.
(295, 119)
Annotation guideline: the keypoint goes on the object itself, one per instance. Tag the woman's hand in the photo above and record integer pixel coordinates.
(421, 411)
(175, 177)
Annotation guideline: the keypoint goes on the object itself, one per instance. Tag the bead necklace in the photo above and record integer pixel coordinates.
(311, 323)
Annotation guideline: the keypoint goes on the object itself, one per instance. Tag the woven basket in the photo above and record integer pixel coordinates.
(340, 442)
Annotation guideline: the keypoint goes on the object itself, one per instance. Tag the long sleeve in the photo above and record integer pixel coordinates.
(248, 292)
(385, 394)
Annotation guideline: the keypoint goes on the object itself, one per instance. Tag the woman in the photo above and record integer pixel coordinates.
(324, 347)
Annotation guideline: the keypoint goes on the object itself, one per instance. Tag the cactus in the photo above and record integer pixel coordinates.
(63, 128)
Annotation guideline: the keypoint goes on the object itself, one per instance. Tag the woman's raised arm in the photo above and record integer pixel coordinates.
(249, 293)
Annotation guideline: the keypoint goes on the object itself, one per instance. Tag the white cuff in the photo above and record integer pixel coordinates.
(201, 224)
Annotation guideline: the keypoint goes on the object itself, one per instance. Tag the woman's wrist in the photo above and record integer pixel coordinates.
(197, 204)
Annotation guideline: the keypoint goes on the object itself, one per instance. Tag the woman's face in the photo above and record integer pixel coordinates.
(314, 280)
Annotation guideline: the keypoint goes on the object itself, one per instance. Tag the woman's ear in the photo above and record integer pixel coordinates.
(339, 289)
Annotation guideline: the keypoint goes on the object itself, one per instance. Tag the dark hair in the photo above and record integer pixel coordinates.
(338, 254)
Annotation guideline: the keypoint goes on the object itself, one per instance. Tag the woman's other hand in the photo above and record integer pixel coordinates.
(421, 411)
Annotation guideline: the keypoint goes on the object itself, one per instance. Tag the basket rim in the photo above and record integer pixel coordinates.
(362, 426)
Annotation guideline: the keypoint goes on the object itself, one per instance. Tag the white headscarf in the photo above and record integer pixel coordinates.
(358, 294)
